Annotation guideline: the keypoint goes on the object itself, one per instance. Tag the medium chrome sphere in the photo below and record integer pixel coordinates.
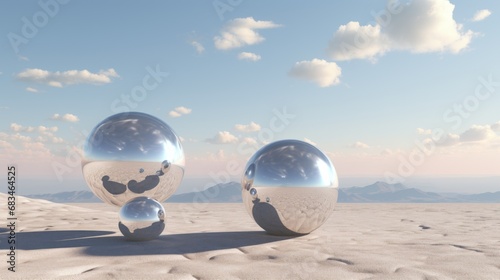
(142, 219)
(130, 155)
(289, 187)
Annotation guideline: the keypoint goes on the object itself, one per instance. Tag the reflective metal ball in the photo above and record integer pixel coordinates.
(142, 219)
(289, 187)
(132, 154)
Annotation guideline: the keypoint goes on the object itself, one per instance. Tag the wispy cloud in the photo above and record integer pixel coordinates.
(198, 46)
(421, 27)
(249, 56)
(319, 71)
(241, 32)
(359, 145)
(223, 137)
(179, 111)
(481, 15)
(251, 127)
(65, 117)
(71, 77)
(30, 89)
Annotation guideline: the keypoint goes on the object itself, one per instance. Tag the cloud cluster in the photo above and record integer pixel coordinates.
(419, 27)
(475, 134)
(46, 134)
(249, 56)
(71, 77)
(179, 111)
(241, 32)
(319, 71)
(65, 118)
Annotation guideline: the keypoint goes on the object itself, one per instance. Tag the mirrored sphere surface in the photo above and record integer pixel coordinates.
(132, 154)
(142, 219)
(289, 187)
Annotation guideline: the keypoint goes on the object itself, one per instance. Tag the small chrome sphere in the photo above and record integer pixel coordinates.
(142, 219)
(130, 155)
(289, 187)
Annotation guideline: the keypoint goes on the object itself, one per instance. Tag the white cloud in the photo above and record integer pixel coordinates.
(179, 111)
(249, 56)
(25, 58)
(71, 77)
(198, 46)
(477, 133)
(422, 131)
(368, 37)
(240, 32)
(309, 141)
(319, 71)
(420, 27)
(223, 137)
(359, 145)
(251, 127)
(481, 15)
(65, 117)
(30, 89)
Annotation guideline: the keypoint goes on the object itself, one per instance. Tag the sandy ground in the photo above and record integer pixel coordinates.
(221, 241)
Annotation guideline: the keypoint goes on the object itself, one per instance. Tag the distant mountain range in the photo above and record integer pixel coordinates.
(378, 192)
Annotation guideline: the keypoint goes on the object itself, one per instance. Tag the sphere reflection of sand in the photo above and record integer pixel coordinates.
(291, 211)
(128, 175)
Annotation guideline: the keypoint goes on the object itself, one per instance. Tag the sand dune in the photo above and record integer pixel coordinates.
(220, 241)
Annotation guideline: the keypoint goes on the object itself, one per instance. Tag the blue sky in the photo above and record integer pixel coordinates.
(365, 92)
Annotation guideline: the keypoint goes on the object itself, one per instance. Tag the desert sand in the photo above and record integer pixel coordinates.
(221, 241)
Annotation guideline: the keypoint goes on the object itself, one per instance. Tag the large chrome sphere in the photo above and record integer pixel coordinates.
(289, 187)
(142, 219)
(130, 155)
